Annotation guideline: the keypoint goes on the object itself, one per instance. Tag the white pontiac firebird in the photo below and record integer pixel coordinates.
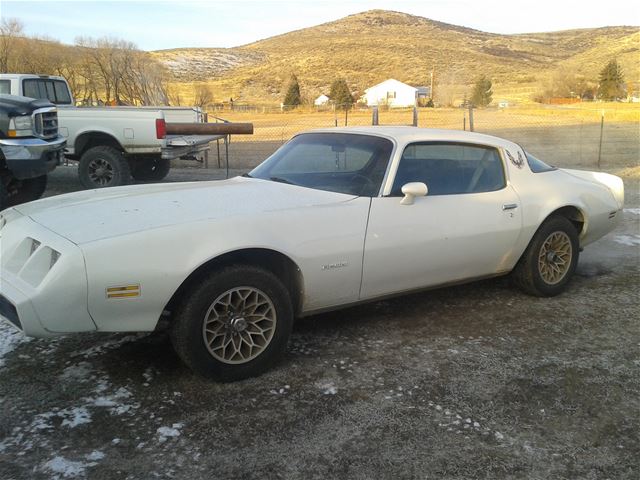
(333, 218)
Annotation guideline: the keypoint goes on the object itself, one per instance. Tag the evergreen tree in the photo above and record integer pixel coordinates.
(482, 93)
(292, 98)
(611, 82)
(340, 94)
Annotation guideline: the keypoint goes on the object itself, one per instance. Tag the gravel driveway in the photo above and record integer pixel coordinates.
(476, 381)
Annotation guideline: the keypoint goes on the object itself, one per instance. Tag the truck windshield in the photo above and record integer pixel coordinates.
(55, 91)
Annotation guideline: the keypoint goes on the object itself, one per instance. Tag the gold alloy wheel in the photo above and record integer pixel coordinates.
(555, 257)
(239, 325)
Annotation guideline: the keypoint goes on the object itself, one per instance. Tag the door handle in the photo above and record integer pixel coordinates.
(510, 206)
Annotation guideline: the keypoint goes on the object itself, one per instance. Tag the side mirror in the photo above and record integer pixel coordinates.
(412, 190)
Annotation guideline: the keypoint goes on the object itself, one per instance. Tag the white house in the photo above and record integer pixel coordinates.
(321, 100)
(392, 93)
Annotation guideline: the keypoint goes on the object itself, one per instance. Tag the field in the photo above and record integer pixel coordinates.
(568, 135)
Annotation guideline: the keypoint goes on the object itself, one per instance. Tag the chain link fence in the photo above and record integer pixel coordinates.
(584, 136)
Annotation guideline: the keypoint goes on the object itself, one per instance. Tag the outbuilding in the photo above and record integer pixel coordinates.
(392, 93)
(321, 100)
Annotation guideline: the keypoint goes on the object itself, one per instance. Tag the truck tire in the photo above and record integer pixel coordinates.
(4, 199)
(28, 190)
(152, 170)
(103, 166)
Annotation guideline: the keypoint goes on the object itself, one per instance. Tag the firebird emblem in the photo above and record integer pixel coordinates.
(519, 162)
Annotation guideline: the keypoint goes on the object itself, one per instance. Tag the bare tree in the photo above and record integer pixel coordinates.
(11, 30)
(447, 89)
(202, 95)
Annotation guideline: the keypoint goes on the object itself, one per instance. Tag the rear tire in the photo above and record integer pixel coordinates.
(550, 260)
(28, 190)
(234, 324)
(103, 166)
(152, 170)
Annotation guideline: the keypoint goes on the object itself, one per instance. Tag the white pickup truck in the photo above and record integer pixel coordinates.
(113, 144)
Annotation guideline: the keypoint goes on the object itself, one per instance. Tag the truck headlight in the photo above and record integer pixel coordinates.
(21, 126)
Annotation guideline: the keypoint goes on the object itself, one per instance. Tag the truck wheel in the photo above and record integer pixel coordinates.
(4, 199)
(103, 167)
(151, 170)
(550, 260)
(28, 190)
(234, 324)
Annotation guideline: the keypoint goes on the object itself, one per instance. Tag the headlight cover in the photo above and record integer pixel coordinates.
(21, 126)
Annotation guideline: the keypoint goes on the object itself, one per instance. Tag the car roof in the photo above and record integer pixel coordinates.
(406, 134)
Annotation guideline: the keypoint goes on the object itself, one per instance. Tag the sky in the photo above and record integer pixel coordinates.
(159, 24)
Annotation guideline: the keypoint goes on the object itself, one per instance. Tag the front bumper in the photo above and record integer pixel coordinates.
(43, 283)
(32, 157)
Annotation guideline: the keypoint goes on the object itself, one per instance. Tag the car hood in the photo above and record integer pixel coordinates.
(88, 216)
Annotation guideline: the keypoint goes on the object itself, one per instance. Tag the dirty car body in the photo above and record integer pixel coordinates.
(335, 217)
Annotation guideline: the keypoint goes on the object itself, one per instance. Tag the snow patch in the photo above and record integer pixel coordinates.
(79, 372)
(75, 416)
(169, 432)
(329, 389)
(632, 211)
(95, 455)
(628, 240)
(10, 338)
(66, 468)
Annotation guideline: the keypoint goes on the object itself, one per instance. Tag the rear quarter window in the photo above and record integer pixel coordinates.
(5, 87)
(536, 165)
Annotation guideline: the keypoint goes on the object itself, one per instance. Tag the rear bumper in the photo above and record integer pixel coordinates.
(183, 145)
(32, 157)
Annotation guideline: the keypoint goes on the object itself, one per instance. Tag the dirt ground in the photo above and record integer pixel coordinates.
(476, 381)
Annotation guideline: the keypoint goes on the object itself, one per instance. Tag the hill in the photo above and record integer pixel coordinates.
(372, 46)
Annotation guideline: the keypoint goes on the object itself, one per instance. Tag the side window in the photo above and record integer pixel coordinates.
(62, 93)
(32, 88)
(450, 168)
(536, 165)
(5, 87)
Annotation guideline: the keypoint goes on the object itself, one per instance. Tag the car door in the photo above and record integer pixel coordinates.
(465, 227)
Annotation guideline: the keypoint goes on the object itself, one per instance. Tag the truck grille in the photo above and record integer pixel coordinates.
(46, 124)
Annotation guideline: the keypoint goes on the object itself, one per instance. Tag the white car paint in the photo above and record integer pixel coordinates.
(347, 248)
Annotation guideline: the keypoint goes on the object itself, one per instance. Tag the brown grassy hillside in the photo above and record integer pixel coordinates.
(369, 47)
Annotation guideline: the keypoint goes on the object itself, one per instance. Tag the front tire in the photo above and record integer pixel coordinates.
(235, 324)
(103, 166)
(548, 264)
(28, 190)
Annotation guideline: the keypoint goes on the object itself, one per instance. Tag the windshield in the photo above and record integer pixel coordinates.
(338, 162)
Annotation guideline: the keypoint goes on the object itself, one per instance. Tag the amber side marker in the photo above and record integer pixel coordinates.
(123, 291)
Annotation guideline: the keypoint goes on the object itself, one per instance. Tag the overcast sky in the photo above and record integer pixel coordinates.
(158, 24)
